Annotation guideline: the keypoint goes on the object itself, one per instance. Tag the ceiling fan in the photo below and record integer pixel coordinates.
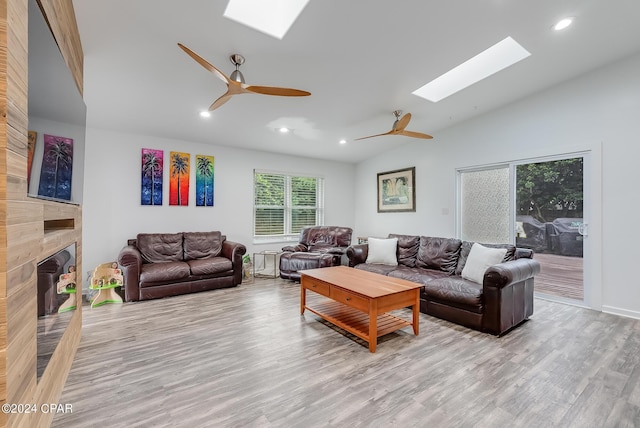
(399, 126)
(235, 83)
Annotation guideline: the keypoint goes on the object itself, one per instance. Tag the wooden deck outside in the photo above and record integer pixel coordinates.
(560, 276)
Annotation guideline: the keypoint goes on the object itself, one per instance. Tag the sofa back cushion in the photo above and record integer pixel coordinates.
(325, 236)
(202, 245)
(160, 247)
(407, 249)
(438, 253)
(466, 248)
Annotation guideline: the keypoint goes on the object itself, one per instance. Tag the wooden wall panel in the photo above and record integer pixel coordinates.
(62, 20)
(24, 237)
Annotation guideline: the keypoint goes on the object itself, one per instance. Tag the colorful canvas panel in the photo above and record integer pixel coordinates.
(57, 166)
(152, 163)
(204, 181)
(179, 166)
(31, 149)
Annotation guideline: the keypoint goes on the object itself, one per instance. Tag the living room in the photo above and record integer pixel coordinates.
(593, 112)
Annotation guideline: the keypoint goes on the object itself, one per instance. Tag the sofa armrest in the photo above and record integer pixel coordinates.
(337, 250)
(505, 274)
(234, 252)
(357, 254)
(295, 249)
(507, 293)
(131, 260)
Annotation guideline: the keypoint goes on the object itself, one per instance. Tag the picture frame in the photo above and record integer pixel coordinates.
(397, 190)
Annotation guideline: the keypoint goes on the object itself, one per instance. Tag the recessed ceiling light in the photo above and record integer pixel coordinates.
(499, 56)
(563, 23)
(273, 17)
(343, 141)
(205, 114)
(284, 130)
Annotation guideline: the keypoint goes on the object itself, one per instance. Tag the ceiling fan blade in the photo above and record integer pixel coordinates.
(415, 134)
(371, 136)
(223, 99)
(272, 90)
(403, 122)
(204, 63)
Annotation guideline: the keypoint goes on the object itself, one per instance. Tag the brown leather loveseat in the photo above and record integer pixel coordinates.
(318, 246)
(498, 300)
(156, 265)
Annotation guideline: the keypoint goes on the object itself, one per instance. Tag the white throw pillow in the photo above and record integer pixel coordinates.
(382, 251)
(479, 259)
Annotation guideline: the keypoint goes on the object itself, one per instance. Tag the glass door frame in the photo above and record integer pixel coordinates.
(592, 198)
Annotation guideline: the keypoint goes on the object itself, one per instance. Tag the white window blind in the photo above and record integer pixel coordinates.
(285, 203)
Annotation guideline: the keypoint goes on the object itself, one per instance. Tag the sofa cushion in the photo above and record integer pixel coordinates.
(466, 248)
(162, 272)
(209, 266)
(421, 276)
(376, 268)
(407, 249)
(160, 247)
(480, 258)
(438, 253)
(454, 291)
(201, 245)
(382, 251)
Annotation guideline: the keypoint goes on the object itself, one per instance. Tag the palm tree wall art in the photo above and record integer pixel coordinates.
(152, 164)
(204, 181)
(179, 181)
(57, 167)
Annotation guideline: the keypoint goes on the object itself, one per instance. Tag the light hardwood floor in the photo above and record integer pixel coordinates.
(244, 357)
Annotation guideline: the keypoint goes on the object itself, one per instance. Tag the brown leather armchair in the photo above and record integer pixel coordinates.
(318, 246)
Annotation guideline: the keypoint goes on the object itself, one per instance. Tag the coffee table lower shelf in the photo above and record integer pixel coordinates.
(355, 321)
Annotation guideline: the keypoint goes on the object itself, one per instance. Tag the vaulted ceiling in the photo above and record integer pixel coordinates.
(360, 59)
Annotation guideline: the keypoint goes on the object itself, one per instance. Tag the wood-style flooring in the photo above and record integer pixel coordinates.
(245, 357)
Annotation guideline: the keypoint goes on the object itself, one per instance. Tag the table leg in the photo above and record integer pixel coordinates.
(303, 298)
(373, 325)
(416, 314)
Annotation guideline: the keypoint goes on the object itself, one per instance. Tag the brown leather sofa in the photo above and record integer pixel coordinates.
(318, 246)
(501, 302)
(156, 265)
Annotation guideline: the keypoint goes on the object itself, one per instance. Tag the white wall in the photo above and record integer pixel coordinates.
(599, 111)
(112, 212)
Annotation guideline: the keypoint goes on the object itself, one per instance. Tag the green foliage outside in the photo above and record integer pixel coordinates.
(550, 190)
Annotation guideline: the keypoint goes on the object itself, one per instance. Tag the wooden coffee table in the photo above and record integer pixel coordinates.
(359, 300)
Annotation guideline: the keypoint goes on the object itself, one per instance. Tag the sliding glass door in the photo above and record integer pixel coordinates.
(534, 204)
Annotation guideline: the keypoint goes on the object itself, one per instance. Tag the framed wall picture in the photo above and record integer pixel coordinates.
(397, 190)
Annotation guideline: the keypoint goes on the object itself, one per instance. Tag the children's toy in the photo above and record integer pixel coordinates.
(106, 277)
(67, 285)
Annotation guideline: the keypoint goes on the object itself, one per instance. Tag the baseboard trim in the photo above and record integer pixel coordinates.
(622, 312)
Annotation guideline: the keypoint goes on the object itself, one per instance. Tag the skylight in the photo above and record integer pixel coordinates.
(498, 57)
(273, 17)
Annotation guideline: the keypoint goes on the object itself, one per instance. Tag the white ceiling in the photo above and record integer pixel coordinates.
(360, 59)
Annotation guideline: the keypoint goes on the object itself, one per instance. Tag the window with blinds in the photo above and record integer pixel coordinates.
(284, 204)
